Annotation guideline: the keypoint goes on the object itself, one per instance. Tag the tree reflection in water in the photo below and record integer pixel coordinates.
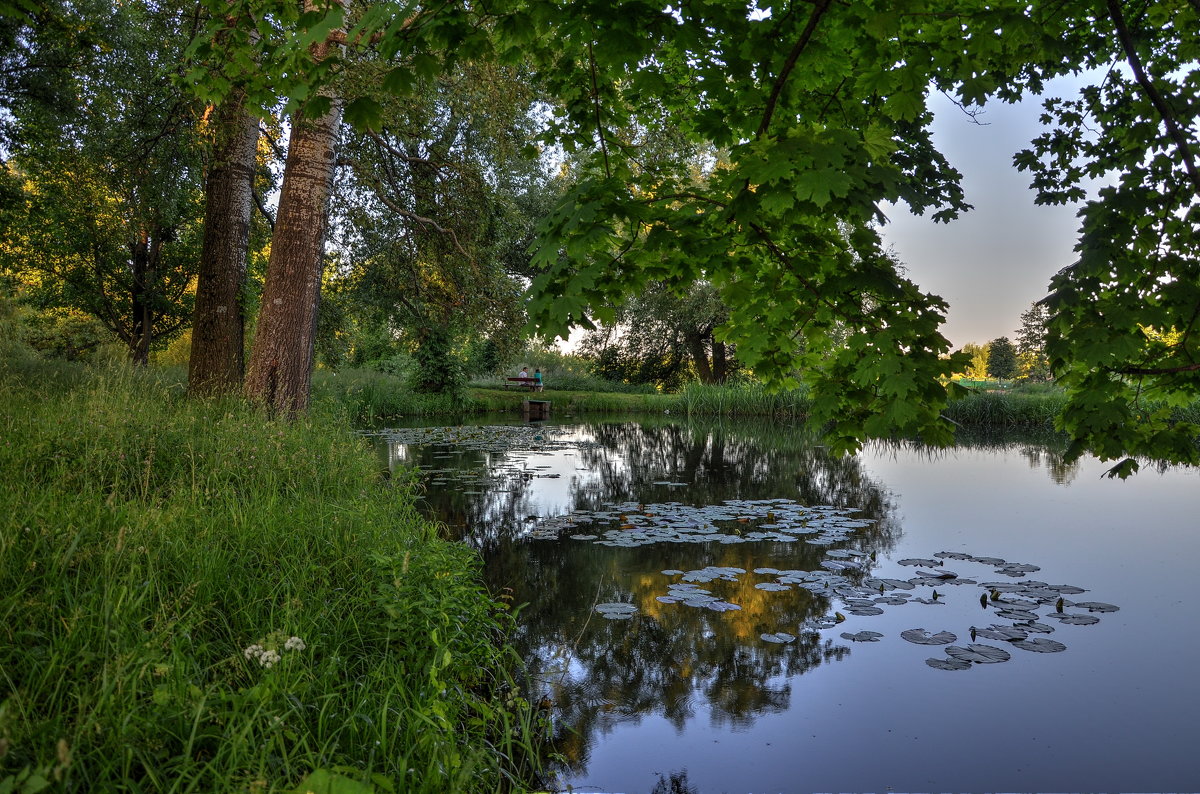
(670, 660)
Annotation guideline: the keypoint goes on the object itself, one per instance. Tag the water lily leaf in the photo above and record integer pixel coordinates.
(1040, 645)
(978, 653)
(616, 611)
(672, 572)
(584, 537)
(1037, 628)
(862, 636)
(767, 570)
(937, 574)
(1095, 606)
(721, 606)
(953, 555)
(864, 611)
(987, 560)
(1074, 620)
(948, 664)
(923, 637)
(1006, 633)
(771, 587)
(778, 637)
(919, 562)
(1016, 614)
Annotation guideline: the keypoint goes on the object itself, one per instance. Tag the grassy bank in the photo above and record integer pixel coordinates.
(195, 599)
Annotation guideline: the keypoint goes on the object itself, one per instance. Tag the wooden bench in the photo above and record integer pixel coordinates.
(525, 383)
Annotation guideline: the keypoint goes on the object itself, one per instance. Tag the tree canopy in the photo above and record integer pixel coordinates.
(799, 123)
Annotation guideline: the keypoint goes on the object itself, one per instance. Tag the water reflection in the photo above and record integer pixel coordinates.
(671, 660)
(682, 688)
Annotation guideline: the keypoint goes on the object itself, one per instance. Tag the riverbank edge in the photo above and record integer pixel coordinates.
(373, 397)
(196, 598)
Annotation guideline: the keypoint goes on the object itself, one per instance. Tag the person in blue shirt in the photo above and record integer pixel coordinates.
(537, 380)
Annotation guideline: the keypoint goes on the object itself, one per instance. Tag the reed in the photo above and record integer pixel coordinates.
(194, 598)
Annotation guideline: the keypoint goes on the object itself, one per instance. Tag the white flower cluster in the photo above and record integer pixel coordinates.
(269, 657)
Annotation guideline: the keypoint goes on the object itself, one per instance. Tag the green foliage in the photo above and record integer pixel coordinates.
(976, 366)
(439, 367)
(664, 337)
(108, 219)
(157, 560)
(1002, 359)
(1031, 344)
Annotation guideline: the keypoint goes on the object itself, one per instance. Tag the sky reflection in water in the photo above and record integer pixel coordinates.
(680, 689)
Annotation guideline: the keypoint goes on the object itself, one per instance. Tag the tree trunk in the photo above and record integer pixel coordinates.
(281, 361)
(720, 362)
(695, 346)
(139, 338)
(217, 360)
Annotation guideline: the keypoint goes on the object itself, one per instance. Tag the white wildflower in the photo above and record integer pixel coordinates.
(268, 658)
(254, 652)
(294, 644)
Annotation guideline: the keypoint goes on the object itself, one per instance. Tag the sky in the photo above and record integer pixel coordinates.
(993, 262)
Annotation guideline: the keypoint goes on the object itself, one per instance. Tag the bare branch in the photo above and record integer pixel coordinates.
(381, 194)
(262, 208)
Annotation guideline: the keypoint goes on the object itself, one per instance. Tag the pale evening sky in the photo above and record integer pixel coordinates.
(993, 262)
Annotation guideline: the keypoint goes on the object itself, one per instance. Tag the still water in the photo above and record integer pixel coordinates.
(765, 692)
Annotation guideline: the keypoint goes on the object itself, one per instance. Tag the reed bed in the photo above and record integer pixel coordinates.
(743, 399)
(196, 599)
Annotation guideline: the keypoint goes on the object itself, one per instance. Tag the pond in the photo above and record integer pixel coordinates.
(726, 607)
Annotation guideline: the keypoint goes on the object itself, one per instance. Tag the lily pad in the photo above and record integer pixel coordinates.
(1005, 633)
(920, 562)
(1016, 614)
(1040, 645)
(1074, 620)
(778, 637)
(1096, 606)
(948, 664)
(978, 653)
(772, 587)
(616, 611)
(923, 637)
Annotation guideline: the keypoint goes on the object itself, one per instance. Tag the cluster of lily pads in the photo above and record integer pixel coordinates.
(632, 524)
(1016, 601)
(498, 477)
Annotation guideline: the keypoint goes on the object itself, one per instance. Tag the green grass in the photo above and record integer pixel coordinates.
(148, 541)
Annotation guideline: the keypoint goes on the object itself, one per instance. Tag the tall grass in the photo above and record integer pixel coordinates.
(742, 399)
(1037, 408)
(365, 396)
(195, 599)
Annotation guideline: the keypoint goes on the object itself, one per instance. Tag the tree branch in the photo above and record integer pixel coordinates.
(1156, 99)
(380, 194)
(1157, 370)
(262, 208)
(596, 104)
(383, 144)
(818, 10)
